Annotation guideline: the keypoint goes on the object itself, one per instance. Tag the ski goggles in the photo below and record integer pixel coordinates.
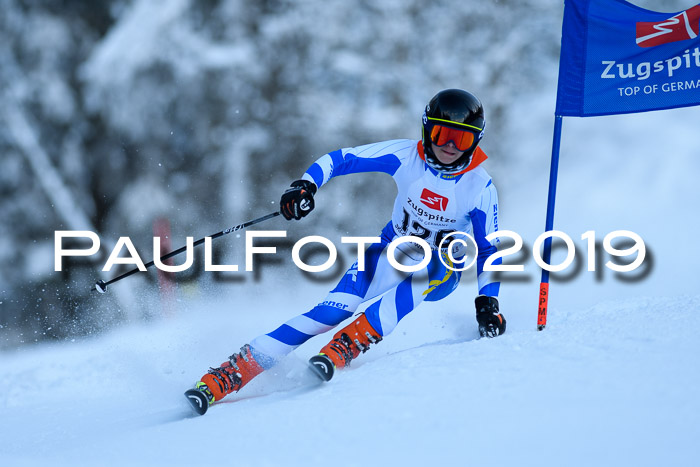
(440, 135)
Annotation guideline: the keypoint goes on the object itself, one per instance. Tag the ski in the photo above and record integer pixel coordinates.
(320, 366)
(198, 401)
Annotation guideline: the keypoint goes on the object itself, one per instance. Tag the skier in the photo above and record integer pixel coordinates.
(441, 189)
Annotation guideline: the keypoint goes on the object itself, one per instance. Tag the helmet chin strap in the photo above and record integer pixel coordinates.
(456, 166)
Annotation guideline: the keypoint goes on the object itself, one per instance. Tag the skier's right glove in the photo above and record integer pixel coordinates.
(298, 200)
(491, 322)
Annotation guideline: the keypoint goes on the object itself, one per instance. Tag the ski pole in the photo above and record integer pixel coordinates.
(101, 286)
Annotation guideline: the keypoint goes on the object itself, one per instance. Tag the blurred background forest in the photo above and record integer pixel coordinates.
(118, 113)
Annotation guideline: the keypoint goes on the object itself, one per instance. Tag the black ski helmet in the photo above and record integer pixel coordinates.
(456, 109)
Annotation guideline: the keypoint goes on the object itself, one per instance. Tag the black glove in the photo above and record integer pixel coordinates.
(491, 322)
(298, 200)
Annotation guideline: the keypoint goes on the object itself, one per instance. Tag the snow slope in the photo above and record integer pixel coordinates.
(615, 384)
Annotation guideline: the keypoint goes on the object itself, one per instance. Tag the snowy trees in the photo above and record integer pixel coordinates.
(118, 112)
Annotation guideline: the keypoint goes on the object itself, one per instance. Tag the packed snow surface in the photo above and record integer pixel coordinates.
(614, 384)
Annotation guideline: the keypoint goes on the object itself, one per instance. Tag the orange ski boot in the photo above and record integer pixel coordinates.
(345, 346)
(231, 376)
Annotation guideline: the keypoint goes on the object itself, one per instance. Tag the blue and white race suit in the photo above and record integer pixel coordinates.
(429, 205)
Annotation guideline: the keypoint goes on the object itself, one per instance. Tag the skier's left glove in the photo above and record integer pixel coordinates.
(298, 200)
(491, 322)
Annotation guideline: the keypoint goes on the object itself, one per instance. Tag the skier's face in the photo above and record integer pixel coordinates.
(448, 153)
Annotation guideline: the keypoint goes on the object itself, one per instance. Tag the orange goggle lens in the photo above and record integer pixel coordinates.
(441, 135)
